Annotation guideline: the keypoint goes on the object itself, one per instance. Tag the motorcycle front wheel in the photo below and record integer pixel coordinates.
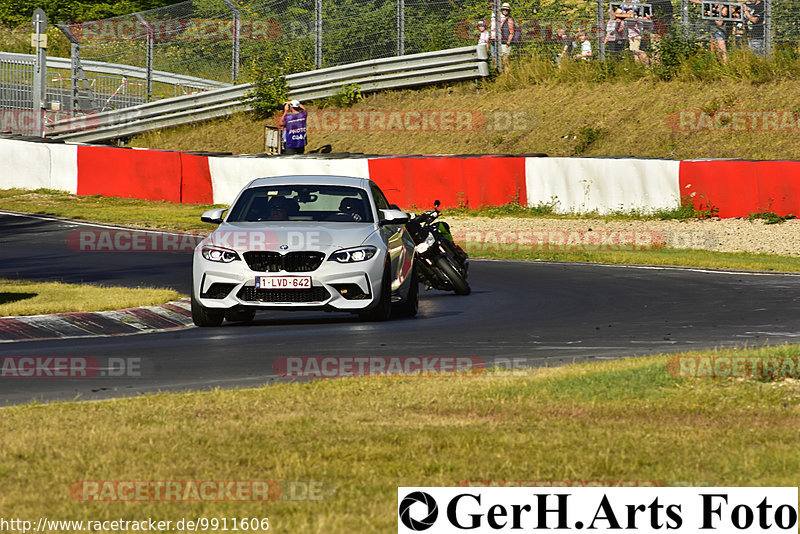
(460, 285)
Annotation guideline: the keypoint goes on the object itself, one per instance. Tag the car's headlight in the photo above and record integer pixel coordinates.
(221, 255)
(425, 245)
(351, 255)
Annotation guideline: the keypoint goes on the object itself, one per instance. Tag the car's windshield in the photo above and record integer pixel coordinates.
(303, 203)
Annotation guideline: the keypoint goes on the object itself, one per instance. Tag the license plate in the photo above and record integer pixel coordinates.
(283, 282)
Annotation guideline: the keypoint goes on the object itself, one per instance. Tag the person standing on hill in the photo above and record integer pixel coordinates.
(719, 28)
(483, 36)
(566, 43)
(754, 15)
(294, 122)
(507, 27)
(615, 33)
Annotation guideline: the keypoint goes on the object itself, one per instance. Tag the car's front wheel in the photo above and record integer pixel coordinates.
(202, 316)
(410, 306)
(383, 310)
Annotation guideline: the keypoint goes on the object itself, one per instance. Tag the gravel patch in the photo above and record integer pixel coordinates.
(722, 235)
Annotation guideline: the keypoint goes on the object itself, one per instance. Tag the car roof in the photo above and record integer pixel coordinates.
(351, 181)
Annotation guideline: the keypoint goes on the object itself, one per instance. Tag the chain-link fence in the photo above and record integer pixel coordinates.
(220, 39)
(555, 30)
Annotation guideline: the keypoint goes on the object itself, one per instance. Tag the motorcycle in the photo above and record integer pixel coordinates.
(441, 263)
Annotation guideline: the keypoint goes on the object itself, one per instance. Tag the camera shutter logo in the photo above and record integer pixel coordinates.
(405, 511)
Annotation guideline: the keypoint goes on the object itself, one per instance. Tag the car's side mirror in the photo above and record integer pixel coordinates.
(213, 216)
(394, 216)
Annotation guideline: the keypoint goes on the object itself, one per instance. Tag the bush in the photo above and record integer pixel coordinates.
(269, 83)
(347, 96)
(674, 49)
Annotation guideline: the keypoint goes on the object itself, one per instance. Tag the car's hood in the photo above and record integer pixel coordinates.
(289, 236)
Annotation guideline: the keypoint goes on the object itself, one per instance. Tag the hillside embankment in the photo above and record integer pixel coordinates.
(642, 118)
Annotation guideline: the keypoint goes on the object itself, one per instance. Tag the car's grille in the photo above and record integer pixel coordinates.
(218, 291)
(293, 262)
(315, 294)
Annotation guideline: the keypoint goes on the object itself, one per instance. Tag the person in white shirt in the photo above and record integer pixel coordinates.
(483, 36)
(586, 47)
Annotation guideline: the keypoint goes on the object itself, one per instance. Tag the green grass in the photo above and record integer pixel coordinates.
(665, 256)
(685, 211)
(770, 217)
(20, 297)
(114, 210)
(362, 438)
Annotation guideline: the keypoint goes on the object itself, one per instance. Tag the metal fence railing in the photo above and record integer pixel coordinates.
(388, 73)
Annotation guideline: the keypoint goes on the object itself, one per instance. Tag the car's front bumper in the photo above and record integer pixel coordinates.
(335, 286)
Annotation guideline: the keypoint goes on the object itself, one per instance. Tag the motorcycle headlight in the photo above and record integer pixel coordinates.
(221, 255)
(352, 255)
(425, 245)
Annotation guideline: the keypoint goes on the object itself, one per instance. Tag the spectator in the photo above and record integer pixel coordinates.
(754, 16)
(615, 36)
(483, 36)
(566, 43)
(634, 25)
(506, 34)
(294, 122)
(739, 35)
(719, 28)
(663, 13)
(586, 47)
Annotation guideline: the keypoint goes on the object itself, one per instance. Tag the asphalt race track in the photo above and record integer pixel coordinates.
(544, 313)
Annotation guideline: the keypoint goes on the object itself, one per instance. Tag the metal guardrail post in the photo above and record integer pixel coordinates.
(318, 34)
(236, 37)
(39, 95)
(74, 55)
(601, 31)
(768, 27)
(149, 60)
(401, 27)
(685, 17)
(497, 38)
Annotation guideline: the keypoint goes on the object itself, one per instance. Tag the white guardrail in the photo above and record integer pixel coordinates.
(455, 64)
(116, 69)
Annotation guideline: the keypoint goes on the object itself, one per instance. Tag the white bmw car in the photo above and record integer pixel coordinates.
(329, 243)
